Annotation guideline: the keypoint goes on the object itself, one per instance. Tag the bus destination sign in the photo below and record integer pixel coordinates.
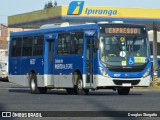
(123, 30)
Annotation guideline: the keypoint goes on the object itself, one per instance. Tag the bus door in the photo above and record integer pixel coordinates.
(49, 55)
(89, 60)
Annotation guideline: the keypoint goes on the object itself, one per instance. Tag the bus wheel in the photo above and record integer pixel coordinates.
(80, 89)
(71, 91)
(123, 91)
(33, 86)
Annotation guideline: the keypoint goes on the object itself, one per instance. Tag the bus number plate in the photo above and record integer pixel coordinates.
(126, 84)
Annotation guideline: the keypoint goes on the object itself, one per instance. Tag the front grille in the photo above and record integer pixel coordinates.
(120, 82)
(126, 69)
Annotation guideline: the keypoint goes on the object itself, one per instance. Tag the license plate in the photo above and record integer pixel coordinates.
(126, 84)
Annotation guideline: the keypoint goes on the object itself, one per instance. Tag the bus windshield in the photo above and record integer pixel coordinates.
(120, 50)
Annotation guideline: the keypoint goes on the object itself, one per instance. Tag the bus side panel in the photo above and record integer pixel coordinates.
(29, 64)
(64, 68)
(19, 79)
(20, 68)
(15, 66)
(36, 65)
(15, 72)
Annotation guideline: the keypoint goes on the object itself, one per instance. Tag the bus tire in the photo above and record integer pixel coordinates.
(79, 87)
(123, 91)
(34, 89)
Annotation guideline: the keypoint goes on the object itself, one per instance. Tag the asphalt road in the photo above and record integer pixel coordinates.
(17, 98)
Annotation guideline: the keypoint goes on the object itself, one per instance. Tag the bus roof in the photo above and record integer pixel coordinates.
(69, 28)
(59, 29)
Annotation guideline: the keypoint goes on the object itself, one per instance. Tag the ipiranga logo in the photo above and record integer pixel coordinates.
(100, 12)
(76, 8)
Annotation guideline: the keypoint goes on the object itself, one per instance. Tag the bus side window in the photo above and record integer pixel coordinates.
(27, 46)
(38, 46)
(77, 39)
(16, 47)
(73, 44)
(63, 44)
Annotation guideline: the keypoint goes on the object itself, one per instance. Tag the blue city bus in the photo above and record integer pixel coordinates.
(80, 58)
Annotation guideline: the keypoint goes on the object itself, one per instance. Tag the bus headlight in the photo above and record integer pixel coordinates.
(147, 72)
(104, 73)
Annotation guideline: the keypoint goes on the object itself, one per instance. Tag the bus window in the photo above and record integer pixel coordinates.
(63, 44)
(77, 40)
(38, 46)
(16, 47)
(27, 46)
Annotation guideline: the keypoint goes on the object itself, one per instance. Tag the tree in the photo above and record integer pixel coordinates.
(50, 5)
(55, 3)
(45, 6)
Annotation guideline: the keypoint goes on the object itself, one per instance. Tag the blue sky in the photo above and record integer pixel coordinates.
(13, 7)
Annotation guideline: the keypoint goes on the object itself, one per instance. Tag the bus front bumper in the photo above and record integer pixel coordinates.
(101, 81)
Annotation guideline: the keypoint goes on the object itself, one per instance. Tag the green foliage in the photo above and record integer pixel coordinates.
(55, 4)
(50, 5)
